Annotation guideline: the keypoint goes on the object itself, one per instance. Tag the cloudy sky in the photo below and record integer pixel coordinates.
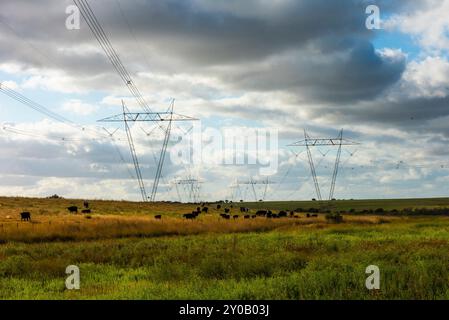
(237, 65)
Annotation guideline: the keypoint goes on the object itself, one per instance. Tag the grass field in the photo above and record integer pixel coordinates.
(124, 253)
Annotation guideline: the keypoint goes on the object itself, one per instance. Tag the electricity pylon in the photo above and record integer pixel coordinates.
(251, 182)
(168, 116)
(331, 142)
(102, 38)
(191, 187)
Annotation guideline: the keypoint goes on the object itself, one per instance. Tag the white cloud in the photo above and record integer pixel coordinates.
(429, 25)
(79, 107)
(428, 78)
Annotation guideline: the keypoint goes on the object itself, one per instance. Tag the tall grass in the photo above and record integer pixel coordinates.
(303, 262)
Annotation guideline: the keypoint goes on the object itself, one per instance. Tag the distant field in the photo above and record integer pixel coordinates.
(124, 253)
(388, 204)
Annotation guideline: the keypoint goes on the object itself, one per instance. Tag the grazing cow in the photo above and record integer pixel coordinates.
(195, 213)
(308, 215)
(25, 216)
(314, 215)
(254, 216)
(73, 209)
(86, 211)
(189, 216)
(261, 213)
(86, 204)
(282, 214)
(225, 216)
(242, 209)
(227, 210)
(275, 216)
(158, 217)
(292, 214)
(205, 209)
(218, 207)
(247, 216)
(296, 217)
(235, 217)
(198, 209)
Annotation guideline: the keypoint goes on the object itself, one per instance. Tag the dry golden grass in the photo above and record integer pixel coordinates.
(70, 228)
(79, 228)
(120, 219)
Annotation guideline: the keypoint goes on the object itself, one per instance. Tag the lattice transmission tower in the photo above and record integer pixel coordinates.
(191, 187)
(252, 183)
(330, 142)
(146, 116)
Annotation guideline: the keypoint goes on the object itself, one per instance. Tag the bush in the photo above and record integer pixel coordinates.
(379, 210)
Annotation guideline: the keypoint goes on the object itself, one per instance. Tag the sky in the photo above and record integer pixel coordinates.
(273, 68)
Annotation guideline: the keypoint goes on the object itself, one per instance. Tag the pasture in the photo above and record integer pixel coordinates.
(123, 252)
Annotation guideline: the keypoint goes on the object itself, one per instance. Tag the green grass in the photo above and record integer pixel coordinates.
(298, 263)
(315, 260)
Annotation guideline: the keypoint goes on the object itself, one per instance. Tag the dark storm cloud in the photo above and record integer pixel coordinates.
(329, 54)
(356, 73)
(411, 114)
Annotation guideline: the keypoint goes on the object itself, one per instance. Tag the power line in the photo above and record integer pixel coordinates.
(103, 40)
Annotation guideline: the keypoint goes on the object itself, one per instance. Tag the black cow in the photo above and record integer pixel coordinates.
(205, 209)
(225, 216)
(254, 216)
(195, 213)
(261, 213)
(235, 217)
(73, 209)
(158, 217)
(314, 215)
(227, 210)
(25, 216)
(282, 214)
(247, 216)
(86, 211)
(86, 204)
(218, 207)
(189, 216)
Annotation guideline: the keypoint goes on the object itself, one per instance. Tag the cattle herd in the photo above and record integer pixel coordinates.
(225, 213)
(26, 216)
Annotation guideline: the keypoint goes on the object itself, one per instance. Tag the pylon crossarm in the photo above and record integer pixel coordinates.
(323, 142)
(148, 116)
